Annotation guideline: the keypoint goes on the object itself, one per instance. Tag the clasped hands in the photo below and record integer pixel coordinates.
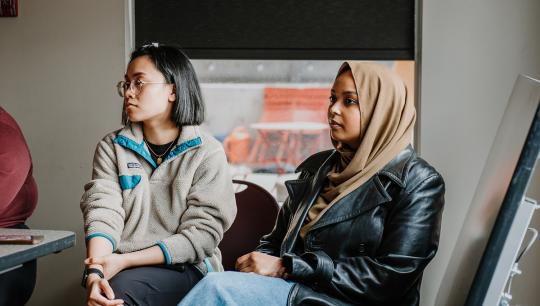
(110, 265)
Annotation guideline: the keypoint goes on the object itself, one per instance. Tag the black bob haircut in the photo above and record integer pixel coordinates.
(188, 108)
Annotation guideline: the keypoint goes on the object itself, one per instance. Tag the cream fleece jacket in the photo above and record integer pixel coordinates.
(183, 205)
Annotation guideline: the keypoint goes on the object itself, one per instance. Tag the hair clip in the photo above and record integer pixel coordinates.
(154, 44)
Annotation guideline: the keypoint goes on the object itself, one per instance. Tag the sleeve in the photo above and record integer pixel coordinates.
(15, 164)
(211, 209)
(271, 244)
(410, 241)
(101, 203)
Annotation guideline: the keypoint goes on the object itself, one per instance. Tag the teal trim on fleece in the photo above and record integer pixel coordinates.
(135, 147)
(208, 265)
(165, 252)
(102, 235)
(180, 148)
(129, 181)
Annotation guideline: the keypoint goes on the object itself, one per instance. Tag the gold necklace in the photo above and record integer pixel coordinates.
(159, 158)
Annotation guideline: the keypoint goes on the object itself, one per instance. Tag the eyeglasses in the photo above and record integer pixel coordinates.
(135, 86)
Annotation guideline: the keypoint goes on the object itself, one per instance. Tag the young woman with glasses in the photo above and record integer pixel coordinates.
(362, 221)
(161, 195)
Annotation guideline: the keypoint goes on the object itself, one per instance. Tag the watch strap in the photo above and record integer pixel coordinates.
(88, 271)
(96, 271)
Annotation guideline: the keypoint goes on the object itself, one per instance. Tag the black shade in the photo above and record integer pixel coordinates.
(274, 29)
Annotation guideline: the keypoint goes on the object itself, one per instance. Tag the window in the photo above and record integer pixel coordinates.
(271, 114)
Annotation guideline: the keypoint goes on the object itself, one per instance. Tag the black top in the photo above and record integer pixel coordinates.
(160, 150)
(270, 29)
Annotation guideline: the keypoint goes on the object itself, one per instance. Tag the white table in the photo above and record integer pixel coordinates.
(289, 126)
(12, 256)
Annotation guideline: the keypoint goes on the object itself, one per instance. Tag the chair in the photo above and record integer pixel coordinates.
(256, 216)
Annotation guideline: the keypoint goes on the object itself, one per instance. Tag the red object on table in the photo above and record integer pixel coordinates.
(236, 145)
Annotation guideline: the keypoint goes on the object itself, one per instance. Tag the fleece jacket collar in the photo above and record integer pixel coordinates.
(131, 137)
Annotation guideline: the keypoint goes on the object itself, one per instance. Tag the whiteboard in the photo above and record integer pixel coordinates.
(499, 193)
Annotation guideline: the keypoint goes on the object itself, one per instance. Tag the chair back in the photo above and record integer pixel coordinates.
(256, 216)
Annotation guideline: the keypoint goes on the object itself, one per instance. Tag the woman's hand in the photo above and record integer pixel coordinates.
(111, 264)
(261, 263)
(100, 293)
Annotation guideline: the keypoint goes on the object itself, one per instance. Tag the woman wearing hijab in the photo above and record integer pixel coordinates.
(362, 221)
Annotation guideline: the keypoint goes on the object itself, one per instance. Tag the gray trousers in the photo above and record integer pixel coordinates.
(155, 285)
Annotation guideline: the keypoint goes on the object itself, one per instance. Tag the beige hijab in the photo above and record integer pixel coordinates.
(387, 117)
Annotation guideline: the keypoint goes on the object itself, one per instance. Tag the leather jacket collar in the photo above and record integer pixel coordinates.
(394, 170)
(305, 191)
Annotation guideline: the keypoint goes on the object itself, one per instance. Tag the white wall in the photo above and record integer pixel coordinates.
(472, 53)
(59, 63)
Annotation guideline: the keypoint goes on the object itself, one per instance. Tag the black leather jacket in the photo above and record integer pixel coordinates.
(370, 247)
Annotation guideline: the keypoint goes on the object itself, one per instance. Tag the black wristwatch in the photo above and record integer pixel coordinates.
(88, 271)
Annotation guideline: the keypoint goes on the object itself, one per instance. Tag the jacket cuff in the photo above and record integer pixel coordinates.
(266, 250)
(165, 252)
(98, 234)
(311, 268)
(179, 249)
